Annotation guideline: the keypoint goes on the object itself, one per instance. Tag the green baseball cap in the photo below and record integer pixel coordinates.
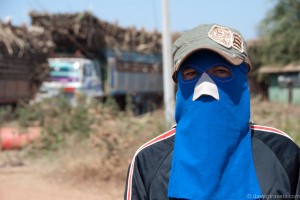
(223, 40)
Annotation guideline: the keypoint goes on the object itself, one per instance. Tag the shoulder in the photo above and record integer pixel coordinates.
(273, 138)
(150, 158)
(154, 148)
(152, 153)
(280, 143)
(276, 157)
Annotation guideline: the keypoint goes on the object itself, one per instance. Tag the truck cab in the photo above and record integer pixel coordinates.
(71, 77)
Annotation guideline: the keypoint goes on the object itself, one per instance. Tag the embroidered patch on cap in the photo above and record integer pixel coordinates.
(225, 37)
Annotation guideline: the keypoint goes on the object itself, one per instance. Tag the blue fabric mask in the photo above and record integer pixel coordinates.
(212, 152)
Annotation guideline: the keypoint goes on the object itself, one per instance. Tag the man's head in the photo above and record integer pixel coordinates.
(225, 41)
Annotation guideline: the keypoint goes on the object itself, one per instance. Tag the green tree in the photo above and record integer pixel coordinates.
(280, 31)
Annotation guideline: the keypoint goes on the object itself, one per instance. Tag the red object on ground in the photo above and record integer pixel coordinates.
(69, 89)
(12, 138)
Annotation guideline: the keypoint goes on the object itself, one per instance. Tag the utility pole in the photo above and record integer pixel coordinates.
(169, 100)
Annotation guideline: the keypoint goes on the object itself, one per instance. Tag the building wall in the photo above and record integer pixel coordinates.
(277, 94)
(296, 96)
(280, 94)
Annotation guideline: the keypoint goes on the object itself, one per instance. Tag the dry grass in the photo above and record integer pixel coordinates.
(115, 136)
(106, 155)
(281, 116)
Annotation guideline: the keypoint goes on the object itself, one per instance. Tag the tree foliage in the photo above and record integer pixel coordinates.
(280, 31)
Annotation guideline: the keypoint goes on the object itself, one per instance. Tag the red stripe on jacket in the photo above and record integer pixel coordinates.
(269, 129)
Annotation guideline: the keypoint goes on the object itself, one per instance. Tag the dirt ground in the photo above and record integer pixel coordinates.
(31, 183)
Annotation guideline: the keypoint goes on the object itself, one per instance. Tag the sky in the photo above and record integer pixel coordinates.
(244, 16)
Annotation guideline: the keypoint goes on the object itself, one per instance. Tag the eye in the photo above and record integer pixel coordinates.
(220, 72)
(189, 74)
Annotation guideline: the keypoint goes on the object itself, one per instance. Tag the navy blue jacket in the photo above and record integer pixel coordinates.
(276, 159)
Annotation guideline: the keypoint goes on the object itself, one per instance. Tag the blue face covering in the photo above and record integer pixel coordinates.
(212, 153)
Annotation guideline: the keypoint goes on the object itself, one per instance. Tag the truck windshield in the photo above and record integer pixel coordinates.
(64, 72)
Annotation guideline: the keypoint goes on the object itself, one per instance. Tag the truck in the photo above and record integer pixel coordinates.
(122, 74)
(15, 80)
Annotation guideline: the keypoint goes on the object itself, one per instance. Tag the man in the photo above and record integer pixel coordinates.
(215, 153)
